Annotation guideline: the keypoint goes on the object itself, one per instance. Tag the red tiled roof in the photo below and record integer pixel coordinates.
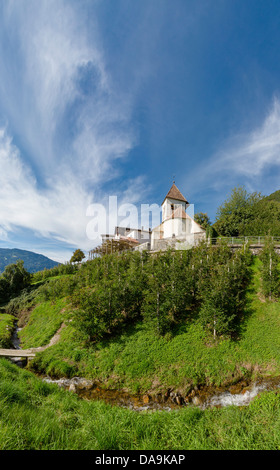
(129, 239)
(174, 193)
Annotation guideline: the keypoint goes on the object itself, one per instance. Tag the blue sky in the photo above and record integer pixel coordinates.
(114, 97)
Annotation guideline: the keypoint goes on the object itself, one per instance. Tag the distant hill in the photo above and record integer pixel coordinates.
(33, 262)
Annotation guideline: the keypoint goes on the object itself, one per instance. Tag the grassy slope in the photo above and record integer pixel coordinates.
(45, 320)
(37, 415)
(138, 361)
(6, 328)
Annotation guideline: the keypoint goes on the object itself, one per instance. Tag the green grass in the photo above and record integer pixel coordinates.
(35, 415)
(44, 321)
(6, 328)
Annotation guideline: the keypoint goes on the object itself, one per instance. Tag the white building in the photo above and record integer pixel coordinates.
(177, 229)
(124, 233)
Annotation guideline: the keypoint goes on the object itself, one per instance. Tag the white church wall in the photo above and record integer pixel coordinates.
(196, 228)
(176, 227)
(167, 207)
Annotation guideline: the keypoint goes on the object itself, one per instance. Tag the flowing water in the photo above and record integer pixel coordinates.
(239, 399)
(15, 339)
(93, 391)
(16, 345)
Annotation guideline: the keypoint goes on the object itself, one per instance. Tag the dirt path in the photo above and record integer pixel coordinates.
(53, 341)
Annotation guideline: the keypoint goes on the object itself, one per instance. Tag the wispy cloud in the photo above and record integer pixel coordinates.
(45, 100)
(53, 212)
(251, 158)
(66, 123)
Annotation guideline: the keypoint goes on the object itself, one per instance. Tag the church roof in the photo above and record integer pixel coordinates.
(174, 193)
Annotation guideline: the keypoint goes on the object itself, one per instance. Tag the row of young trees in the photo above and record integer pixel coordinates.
(60, 269)
(270, 270)
(162, 290)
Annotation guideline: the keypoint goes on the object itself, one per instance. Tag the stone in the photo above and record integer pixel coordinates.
(166, 395)
(85, 384)
(196, 401)
(146, 399)
(159, 398)
(179, 400)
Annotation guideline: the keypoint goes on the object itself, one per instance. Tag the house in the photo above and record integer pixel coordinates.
(177, 230)
(126, 233)
(141, 235)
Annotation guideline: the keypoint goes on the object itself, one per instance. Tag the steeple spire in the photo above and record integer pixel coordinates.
(174, 193)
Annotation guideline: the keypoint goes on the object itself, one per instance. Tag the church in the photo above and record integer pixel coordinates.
(177, 230)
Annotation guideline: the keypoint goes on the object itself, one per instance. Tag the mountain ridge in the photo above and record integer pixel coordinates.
(33, 262)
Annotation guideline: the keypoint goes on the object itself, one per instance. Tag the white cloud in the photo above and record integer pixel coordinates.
(254, 153)
(58, 211)
(61, 141)
(250, 158)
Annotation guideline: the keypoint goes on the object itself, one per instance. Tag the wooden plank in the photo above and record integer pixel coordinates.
(17, 353)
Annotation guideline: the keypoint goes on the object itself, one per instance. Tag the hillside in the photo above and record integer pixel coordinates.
(33, 262)
(273, 196)
(137, 326)
(125, 332)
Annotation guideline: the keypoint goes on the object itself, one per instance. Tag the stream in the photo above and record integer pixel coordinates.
(167, 401)
(239, 395)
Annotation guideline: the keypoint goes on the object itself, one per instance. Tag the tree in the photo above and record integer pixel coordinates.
(270, 270)
(202, 219)
(235, 214)
(14, 279)
(77, 256)
(158, 301)
(222, 287)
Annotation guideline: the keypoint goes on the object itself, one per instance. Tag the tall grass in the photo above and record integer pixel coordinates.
(44, 321)
(6, 328)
